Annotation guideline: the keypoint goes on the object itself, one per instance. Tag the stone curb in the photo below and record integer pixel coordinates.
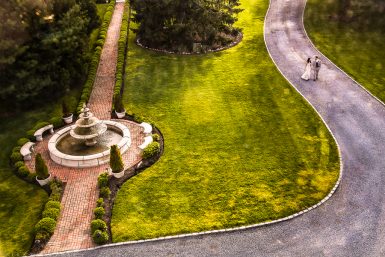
(230, 230)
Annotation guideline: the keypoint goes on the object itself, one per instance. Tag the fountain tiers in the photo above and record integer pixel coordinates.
(87, 160)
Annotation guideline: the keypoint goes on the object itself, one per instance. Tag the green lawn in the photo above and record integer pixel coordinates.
(241, 146)
(359, 52)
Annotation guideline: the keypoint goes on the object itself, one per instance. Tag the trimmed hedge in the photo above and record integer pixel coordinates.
(151, 150)
(53, 205)
(46, 225)
(93, 66)
(100, 237)
(99, 212)
(122, 50)
(52, 213)
(98, 224)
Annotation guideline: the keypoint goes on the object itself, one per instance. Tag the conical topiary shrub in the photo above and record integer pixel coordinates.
(41, 167)
(116, 162)
(118, 104)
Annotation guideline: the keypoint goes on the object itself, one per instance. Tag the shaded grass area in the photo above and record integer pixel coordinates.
(21, 203)
(241, 146)
(356, 49)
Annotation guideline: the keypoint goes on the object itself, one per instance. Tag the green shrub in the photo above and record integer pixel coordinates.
(46, 225)
(22, 141)
(100, 237)
(151, 150)
(30, 134)
(40, 124)
(18, 164)
(42, 236)
(16, 157)
(118, 104)
(104, 192)
(116, 162)
(99, 212)
(53, 205)
(54, 196)
(16, 149)
(56, 122)
(41, 167)
(103, 180)
(100, 202)
(98, 224)
(31, 177)
(23, 171)
(155, 137)
(52, 213)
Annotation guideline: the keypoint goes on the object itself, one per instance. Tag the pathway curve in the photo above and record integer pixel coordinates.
(352, 222)
(80, 194)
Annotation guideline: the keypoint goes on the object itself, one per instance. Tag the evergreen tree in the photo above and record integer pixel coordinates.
(42, 48)
(41, 167)
(116, 162)
(177, 24)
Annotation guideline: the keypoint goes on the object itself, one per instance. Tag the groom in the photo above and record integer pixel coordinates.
(316, 66)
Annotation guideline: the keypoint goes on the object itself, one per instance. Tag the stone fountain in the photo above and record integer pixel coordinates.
(87, 142)
(88, 127)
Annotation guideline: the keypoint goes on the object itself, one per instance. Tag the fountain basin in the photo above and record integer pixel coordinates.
(88, 158)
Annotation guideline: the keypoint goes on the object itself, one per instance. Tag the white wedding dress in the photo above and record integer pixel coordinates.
(306, 74)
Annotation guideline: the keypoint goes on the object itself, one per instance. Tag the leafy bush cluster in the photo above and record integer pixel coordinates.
(151, 150)
(93, 66)
(98, 225)
(18, 164)
(122, 50)
(17, 159)
(46, 226)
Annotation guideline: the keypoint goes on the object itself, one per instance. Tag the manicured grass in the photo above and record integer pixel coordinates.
(359, 52)
(241, 146)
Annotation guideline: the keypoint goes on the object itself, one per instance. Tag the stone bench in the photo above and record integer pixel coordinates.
(39, 133)
(147, 128)
(27, 150)
(147, 140)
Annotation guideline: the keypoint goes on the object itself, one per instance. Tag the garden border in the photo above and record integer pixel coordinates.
(238, 39)
(235, 229)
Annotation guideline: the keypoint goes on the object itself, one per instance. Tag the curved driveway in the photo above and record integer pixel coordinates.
(352, 222)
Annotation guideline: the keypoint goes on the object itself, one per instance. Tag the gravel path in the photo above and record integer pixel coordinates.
(352, 222)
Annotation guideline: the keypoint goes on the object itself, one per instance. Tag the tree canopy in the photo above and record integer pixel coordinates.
(176, 24)
(42, 47)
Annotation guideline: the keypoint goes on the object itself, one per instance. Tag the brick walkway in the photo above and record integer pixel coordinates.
(80, 195)
(100, 101)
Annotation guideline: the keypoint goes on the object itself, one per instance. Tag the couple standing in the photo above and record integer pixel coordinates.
(313, 66)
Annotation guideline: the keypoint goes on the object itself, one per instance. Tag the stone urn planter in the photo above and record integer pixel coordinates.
(118, 174)
(120, 115)
(43, 182)
(69, 119)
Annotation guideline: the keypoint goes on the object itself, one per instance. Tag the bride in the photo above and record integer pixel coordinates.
(306, 74)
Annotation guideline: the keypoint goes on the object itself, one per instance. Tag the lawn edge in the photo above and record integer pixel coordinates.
(235, 229)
